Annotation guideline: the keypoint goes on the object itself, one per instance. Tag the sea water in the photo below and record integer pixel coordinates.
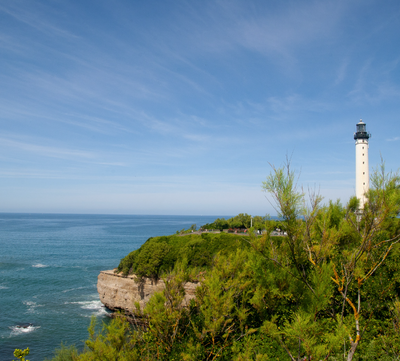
(49, 265)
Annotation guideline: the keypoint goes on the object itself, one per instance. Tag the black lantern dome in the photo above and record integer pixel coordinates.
(361, 131)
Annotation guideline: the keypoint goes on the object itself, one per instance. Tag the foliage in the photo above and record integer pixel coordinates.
(191, 229)
(65, 353)
(242, 220)
(333, 252)
(21, 354)
(159, 255)
(219, 323)
(114, 342)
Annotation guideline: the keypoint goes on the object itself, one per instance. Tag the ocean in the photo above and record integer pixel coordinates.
(49, 265)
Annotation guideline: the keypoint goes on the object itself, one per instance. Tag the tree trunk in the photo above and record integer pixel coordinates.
(352, 351)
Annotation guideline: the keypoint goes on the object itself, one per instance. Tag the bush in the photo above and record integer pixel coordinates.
(65, 353)
(159, 255)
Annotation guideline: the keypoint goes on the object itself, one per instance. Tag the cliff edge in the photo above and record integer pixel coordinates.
(118, 292)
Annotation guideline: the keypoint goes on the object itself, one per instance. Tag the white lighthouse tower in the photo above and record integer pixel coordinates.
(362, 173)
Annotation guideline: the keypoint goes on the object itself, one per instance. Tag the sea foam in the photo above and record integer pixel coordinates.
(32, 306)
(22, 329)
(95, 305)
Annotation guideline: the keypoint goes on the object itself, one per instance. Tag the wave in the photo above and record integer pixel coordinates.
(96, 306)
(73, 289)
(22, 329)
(39, 265)
(31, 306)
(3, 287)
(91, 305)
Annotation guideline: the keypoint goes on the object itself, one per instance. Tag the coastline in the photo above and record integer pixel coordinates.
(121, 293)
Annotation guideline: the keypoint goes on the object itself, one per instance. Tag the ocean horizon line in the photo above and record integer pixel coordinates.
(124, 214)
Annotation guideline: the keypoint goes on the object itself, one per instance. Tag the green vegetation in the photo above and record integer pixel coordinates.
(65, 353)
(193, 228)
(242, 220)
(159, 255)
(21, 354)
(329, 290)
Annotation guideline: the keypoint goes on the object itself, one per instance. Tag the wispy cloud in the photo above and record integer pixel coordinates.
(293, 26)
(374, 83)
(31, 16)
(341, 72)
(395, 139)
(48, 151)
(292, 104)
(93, 123)
(234, 25)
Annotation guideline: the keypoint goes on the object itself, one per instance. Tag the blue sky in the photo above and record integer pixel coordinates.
(180, 107)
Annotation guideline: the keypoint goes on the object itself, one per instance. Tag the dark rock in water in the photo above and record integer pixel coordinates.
(24, 325)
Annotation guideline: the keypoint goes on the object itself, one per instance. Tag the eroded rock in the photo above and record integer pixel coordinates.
(118, 292)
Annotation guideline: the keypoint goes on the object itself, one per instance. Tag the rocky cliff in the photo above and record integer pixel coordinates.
(119, 292)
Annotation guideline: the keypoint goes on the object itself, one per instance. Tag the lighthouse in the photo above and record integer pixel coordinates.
(362, 173)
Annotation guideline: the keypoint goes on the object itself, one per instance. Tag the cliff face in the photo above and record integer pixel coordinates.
(120, 293)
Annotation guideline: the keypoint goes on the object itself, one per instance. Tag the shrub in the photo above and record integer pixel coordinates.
(159, 255)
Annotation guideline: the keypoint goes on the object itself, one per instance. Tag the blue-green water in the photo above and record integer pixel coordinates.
(49, 265)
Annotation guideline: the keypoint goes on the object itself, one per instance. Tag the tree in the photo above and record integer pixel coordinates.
(21, 354)
(116, 341)
(333, 255)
